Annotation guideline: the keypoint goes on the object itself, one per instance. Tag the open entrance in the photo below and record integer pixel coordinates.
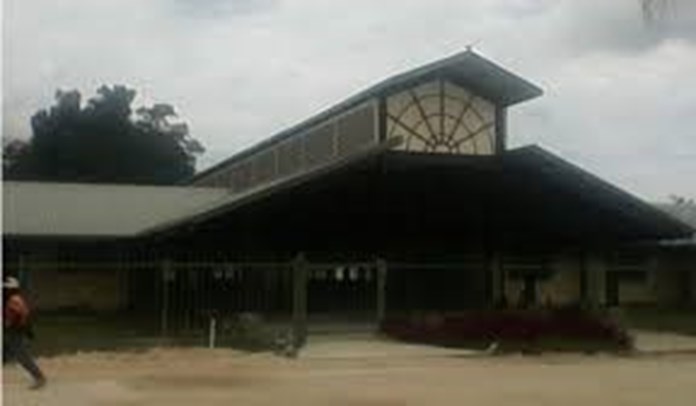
(347, 291)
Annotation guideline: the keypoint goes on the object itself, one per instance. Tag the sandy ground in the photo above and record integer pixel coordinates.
(357, 372)
(660, 342)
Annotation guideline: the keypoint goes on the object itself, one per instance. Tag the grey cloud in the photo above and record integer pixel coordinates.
(626, 117)
(613, 104)
(619, 26)
(217, 9)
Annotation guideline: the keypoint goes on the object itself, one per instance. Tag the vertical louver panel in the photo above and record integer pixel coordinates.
(264, 166)
(290, 156)
(356, 130)
(339, 135)
(318, 145)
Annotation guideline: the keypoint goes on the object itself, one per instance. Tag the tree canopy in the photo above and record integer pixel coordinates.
(103, 141)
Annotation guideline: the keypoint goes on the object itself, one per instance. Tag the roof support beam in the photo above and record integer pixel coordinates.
(500, 129)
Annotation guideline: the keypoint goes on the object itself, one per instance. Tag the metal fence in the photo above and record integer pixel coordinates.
(183, 297)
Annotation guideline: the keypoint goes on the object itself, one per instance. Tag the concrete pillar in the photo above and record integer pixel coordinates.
(595, 268)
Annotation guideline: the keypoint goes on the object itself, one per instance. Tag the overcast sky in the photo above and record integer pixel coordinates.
(620, 97)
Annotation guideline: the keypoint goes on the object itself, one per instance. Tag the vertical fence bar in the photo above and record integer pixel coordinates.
(22, 272)
(212, 330)
(123, 281)
(494, 269)
(165, 271)
(299, 300)
(584, 279)
(381, 275)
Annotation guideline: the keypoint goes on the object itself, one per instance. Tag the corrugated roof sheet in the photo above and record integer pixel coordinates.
(97, 210)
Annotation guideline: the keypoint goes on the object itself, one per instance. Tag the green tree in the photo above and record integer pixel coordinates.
(103, 141)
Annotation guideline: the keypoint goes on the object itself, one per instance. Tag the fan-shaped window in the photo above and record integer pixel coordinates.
(442, 117)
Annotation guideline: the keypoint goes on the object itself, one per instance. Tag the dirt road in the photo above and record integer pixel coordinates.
(224, 377)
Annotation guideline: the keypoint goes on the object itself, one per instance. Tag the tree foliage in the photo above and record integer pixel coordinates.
(103, 141)
(681, 201)
(654, 11)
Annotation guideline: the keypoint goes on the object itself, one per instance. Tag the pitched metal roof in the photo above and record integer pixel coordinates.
(40, 209)
(467, 68)
(532, 185)
(234, 200)
(93, 210)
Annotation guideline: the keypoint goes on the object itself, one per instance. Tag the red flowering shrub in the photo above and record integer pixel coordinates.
(513, 329)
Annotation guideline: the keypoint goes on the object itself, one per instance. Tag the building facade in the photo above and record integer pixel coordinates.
(404, 197)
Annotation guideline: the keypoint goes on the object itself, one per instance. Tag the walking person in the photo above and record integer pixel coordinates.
(17, 329)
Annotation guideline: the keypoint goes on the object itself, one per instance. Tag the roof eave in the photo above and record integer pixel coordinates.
(668, 226)
(274, 187)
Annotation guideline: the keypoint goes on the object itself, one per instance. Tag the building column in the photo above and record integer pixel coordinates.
(165, 276)
(583, 291)
(381, 291)
(691, 285)
(299, 300)
(496, 276)
(668, 285)
(595, 278)
(500, 130)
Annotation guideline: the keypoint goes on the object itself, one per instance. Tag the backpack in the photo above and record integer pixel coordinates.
(17, 315)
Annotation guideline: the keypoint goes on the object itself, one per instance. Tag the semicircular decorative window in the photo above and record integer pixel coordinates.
(442, 117)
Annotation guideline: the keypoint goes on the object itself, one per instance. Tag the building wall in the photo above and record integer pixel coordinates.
(675, 278)
(91, 289)
(564, 285)
(513, 290)
(691, 283)
(596, 277)
(560, 288)
(664, 281)
(636, 292)
(670, 278)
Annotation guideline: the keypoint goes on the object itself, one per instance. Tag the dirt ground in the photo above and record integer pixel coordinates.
(356, 373)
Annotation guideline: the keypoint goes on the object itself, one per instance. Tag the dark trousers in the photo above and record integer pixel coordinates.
(15, 348)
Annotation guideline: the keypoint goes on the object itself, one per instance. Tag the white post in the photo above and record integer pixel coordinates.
(212, 331)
